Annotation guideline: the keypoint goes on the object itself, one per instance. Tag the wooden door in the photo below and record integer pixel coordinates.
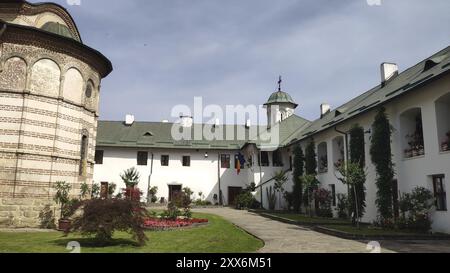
(233, 193)
(174, 189)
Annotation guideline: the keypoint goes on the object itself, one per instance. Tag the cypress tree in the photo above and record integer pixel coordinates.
(357, 156)
(311, 172)
(310, 158)
(299, 164)
(381, 155)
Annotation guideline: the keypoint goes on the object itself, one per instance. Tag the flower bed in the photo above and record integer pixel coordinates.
(163, 224)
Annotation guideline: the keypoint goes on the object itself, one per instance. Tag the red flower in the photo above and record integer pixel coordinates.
(155, 223)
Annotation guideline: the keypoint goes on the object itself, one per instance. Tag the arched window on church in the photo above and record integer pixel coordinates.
(83, 155)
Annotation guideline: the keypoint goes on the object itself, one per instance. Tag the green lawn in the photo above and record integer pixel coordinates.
(308, 220)
(219, 236)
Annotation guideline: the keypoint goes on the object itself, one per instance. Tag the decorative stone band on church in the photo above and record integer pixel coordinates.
(49, 92)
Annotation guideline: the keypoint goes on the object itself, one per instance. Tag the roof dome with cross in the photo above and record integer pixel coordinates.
(280, 97)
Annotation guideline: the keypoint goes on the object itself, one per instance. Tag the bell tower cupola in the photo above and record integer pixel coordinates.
(280, 106)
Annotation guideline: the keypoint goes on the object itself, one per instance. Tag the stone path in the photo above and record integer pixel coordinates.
(285, 238)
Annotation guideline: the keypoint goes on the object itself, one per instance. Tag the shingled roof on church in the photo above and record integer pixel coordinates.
(280, 97)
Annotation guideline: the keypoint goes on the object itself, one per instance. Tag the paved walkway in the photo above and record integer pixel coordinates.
(285, 238)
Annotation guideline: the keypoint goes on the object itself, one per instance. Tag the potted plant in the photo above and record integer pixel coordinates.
(130, 177)
(62, 198)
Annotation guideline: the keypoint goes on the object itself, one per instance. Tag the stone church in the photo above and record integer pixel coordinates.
(49, 94)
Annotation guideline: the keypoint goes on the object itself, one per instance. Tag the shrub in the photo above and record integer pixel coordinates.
(62, 196)
(386, 223)
(342, 206)
(324, 200)
(172, 212)
(271, 197)
(84, 190)
(180, 200)
(152, 193)
(354, 176)
(95, 191)
(47, 218)
(101, 218)
(245, 200)
(132, 194)
(415, 208)
(111, 189)
(289, 197)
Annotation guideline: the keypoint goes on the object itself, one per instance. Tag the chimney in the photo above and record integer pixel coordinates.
(325, 108)
(388, 71)
(186, 121)
(248, 124)
(129, 120)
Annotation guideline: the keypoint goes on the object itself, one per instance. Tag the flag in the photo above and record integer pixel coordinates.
(240, 161)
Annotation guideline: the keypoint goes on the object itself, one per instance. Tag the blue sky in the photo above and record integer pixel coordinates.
(165, 52)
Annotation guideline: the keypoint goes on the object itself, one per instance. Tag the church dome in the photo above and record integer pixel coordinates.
(59, 29)
(280, 97)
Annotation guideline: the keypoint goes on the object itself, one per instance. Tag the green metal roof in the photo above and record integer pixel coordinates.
(292, 129)
(415, 76)
(280, 97)
(59, 29)
(159, 135)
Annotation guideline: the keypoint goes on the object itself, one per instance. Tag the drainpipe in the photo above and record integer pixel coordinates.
(260, 178)
(346, 150)
(346, 165)
(149, 180)
(218, 179)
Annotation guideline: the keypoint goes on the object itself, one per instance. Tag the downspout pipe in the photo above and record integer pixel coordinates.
(346, 166)
(218, 179)
(260, 179)
(149, 180)
(346, 150)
